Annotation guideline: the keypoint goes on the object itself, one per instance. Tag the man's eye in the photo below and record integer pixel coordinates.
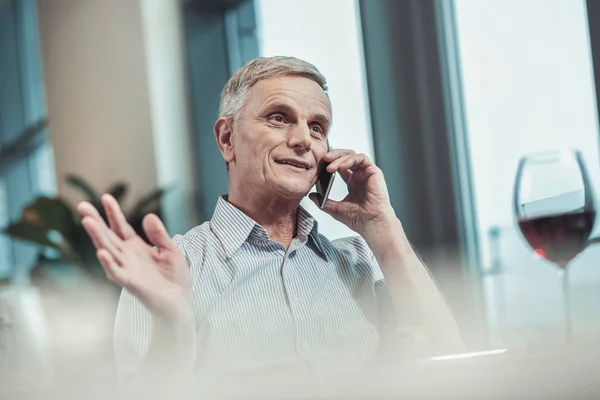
(277, 118)
(317, 129)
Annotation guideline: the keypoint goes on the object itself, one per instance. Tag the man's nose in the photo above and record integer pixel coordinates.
(299, 138)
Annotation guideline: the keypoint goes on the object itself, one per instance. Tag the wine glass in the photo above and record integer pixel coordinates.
(555, 211)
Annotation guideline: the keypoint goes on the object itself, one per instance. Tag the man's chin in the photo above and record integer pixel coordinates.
(287, 190)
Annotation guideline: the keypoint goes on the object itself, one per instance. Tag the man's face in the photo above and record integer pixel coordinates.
(281, 136)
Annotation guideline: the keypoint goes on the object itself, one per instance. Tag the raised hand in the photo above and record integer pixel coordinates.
(159, 277)
(367, 201)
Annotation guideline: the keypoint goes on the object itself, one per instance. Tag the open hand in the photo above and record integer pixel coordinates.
(158, 276)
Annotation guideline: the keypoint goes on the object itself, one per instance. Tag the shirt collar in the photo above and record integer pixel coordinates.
(233, 227)
(308, 226)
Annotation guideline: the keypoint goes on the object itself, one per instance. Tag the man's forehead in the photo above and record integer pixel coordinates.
(305, 92)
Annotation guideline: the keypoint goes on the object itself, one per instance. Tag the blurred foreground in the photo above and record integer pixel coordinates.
(556, 374)
(57, 343)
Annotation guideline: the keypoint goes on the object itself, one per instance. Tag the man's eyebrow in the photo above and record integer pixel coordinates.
(286, 108)
(322, 118)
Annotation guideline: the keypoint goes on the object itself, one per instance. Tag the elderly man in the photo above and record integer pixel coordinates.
(258, 286)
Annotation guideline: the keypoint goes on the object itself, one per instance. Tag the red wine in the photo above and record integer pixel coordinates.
(559, 238)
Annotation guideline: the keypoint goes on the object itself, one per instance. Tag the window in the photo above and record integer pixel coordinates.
(26, 161)
(528, 86)
(336, 49)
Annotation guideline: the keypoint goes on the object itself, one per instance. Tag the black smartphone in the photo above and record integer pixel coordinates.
(324, 182)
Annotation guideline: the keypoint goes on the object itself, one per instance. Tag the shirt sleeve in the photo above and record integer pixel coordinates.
(388, 317)
(133, 329)
(132, 333)
(399, 338)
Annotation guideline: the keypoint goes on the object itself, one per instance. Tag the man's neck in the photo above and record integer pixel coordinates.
(277, 217)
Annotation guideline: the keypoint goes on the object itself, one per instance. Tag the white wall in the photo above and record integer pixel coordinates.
(328, 35)
(165, 60)
(116, 101)
(97, 93)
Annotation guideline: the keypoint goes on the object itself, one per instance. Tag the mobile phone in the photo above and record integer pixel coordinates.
(324, 182)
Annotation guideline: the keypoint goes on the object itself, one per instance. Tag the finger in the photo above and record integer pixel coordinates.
(92, 232)
(334, 165)
(352, 162)
(358, 162)
(112, 269)
(168, 257)
(157, 233)
(116, 218)
(86, 212)
(335, 154)
(345, 174)
(86, 209)
(103, 237)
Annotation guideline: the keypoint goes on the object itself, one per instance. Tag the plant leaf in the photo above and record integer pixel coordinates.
(50, 214)
(34, 234)
(141, 207)
(118, 191)
(83, 187)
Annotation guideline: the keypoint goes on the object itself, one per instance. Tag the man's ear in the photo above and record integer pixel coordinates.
(224, 135)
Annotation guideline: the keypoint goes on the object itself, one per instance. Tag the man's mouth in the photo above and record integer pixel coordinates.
(294, 163)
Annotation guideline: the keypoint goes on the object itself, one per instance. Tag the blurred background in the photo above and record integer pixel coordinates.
(445, 95)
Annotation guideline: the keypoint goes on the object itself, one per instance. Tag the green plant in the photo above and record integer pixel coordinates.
(53, 223)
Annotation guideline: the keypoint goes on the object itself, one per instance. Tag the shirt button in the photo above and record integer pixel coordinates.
(306, 347)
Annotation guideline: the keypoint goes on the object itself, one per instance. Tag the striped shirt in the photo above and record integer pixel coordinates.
(259, 305)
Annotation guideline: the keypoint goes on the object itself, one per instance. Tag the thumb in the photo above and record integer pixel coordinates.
(156, 232)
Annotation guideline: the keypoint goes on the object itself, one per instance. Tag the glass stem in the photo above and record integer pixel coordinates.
(566, 295)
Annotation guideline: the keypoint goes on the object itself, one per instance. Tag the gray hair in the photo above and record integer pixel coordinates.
(233, 96)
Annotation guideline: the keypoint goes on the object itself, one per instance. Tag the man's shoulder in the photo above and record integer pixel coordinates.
(194, 239)
(353, 245)
(355, 252)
